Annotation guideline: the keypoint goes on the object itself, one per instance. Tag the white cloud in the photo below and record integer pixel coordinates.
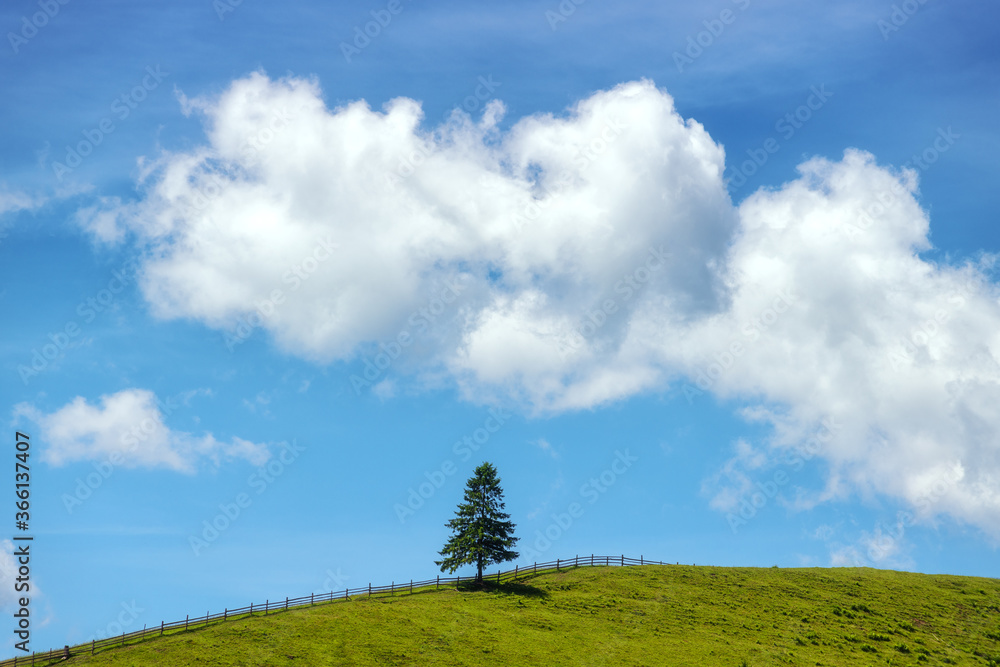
(102, 220)
(385, 389)
(130, 425)
(823, 532)
(878, 548)
(542, 219)
(12, 201)
(849, 556)
(546, 447)
(807, 302)
(259, 404)
(898, 350)
(733, 482)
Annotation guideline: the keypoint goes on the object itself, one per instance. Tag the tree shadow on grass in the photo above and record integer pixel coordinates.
(505, 588)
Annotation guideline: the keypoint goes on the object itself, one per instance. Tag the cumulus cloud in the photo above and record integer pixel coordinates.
(129, 426)
(599, 256)
(897, 351)
(539, 221)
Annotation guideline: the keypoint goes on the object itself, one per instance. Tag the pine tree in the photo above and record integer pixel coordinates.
(482, 532)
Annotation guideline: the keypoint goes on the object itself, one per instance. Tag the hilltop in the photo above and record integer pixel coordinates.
(651, 615)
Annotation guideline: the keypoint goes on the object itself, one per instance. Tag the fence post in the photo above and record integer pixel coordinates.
(640, 560)
(267, 603)
(437, 584)
(312, 598)
(286, 601)
(92, 643)
(557, 564)
(623, 560)
(534, 568)
(369, 589)
(251, 608)
(498, 576)
(592, 560)
(225, 613)
(123, 639)
(411, 585)
(161, 628)
(515, 571)
(186, 622)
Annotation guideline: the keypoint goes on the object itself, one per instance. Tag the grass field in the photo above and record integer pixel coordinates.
(652, 615)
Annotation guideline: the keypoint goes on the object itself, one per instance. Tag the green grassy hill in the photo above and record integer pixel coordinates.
(652, 615)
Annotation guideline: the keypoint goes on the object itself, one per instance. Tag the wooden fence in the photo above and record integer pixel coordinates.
(189, 622)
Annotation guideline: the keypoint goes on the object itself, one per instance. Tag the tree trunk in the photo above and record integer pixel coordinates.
(479, 575)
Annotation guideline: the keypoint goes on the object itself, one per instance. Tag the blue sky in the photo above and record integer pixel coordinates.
(722, 275)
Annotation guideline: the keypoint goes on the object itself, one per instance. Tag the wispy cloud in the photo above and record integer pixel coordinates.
(546, 447)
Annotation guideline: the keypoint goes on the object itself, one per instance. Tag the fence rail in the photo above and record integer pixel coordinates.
(189, 622)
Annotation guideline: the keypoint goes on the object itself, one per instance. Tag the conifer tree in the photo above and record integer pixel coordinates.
(482, 531)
